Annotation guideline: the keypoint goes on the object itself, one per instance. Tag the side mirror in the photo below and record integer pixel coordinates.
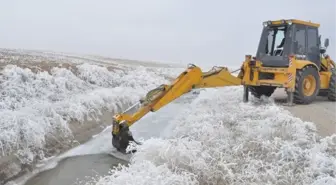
(326, 42)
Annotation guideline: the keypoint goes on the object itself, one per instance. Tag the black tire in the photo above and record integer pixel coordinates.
(299, 96)
(258, 91)
(332, 86)
(323, 92)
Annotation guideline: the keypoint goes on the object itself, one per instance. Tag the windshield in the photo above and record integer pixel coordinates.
(275, 41)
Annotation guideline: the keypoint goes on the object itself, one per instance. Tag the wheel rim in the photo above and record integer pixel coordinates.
(309, 85)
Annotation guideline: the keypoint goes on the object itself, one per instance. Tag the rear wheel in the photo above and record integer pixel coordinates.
(307, 85)
(258, 91)
(332, 86)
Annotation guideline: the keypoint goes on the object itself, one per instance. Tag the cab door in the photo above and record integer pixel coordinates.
(313, 45)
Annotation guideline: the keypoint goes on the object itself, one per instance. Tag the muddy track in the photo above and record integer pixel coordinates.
(322, 112)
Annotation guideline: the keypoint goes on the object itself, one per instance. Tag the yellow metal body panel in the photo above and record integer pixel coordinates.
(327, 63)
(283, 77)
(218, 78)
(325, 78)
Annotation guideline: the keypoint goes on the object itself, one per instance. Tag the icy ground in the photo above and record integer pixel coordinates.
(217, 139)
(35, 107)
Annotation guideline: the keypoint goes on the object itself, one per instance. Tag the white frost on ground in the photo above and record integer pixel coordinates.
(34, 106)
(220, 140)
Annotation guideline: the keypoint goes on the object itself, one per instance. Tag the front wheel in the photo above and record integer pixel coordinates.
(307, 85)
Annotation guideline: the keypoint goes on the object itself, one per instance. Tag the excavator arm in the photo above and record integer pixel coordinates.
(191, 78)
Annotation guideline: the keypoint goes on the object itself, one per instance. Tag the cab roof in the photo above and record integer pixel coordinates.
(294, 21)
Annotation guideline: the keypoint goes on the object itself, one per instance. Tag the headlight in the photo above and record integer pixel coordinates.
(265, 24)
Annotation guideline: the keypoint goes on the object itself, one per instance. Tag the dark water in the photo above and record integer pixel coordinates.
(72, 170)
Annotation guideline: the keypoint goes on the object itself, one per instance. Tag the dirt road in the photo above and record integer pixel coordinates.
(322, 112)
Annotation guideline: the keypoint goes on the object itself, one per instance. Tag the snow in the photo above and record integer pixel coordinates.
(35, 107)
(218, 139)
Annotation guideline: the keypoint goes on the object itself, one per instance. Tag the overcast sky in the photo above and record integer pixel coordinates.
(186, 31)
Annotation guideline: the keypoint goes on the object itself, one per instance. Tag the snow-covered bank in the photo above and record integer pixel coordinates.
(19, 56)
(220, 140)
(39, 108)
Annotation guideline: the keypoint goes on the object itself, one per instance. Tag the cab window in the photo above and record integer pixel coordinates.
(300, 40)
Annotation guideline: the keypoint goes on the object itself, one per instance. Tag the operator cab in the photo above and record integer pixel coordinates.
(280, 39)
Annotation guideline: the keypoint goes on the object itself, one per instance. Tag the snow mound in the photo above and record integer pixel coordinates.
(220, 140)
(35, 107)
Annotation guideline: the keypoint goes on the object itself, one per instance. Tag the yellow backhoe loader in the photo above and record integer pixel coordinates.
(289, 56)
